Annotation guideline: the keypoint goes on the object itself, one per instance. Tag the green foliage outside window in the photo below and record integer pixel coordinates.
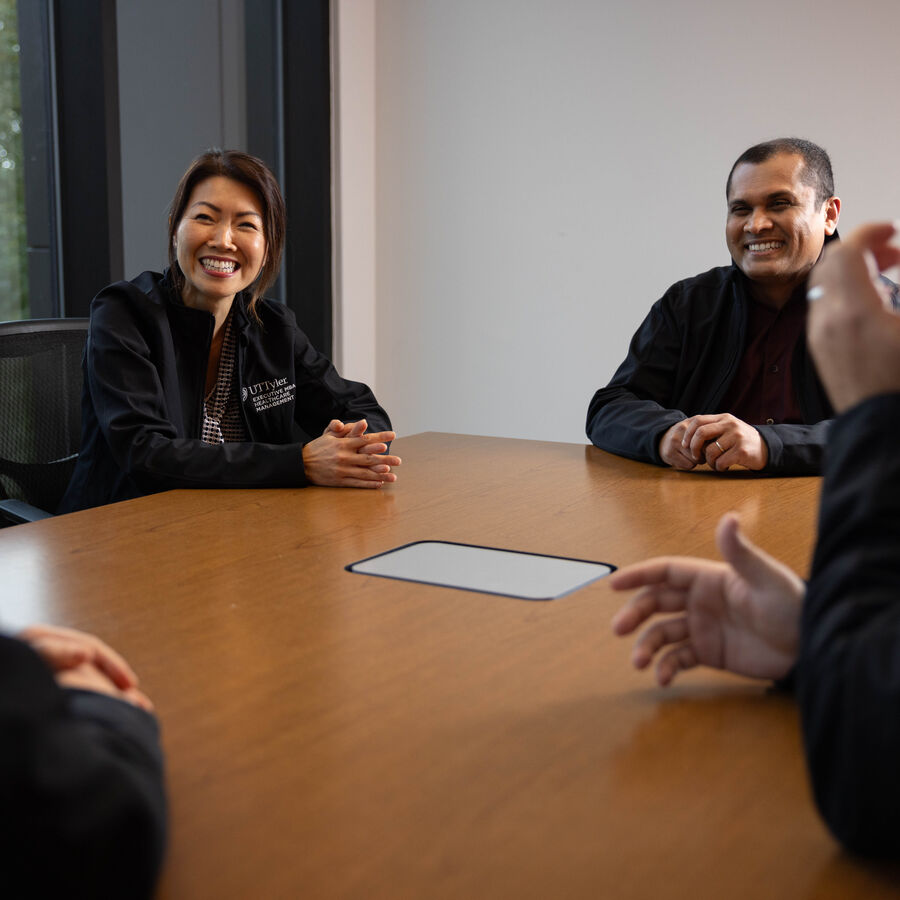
(13, 240)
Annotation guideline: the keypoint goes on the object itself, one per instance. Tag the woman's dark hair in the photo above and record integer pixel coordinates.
(255, 174)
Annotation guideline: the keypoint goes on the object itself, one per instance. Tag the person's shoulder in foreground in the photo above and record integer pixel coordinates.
(848, 669)
(81, 771)
(718, 373)
(839, 635)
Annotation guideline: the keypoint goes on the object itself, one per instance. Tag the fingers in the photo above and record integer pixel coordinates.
(336, 427)
(368, 466)
(666, 581)
(114, 665)
(843, 278)
(683, 461)
(362, 473)
(705, 434)
(714, 439)
(697, 431)
(722, 441)
(671, 450)
(676, 660)
(715, 452)
(348, 481)
(380, 437)
(674, 571)
(139, 698)
(87, 677)
(653, 599)
(358, 468)
(875, 238)
(638, 609)
(852, 337)
(377, 459)
(111, 663)
(729, 540)
(63, 648)
(355, 459)
(721, 457)
(60, 653)
(679, 657)
(654, 638)
(650, 571)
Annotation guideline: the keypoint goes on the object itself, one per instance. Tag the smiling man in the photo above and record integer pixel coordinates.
(719, 373)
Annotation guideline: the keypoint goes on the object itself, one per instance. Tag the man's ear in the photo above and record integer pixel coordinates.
(832, 214)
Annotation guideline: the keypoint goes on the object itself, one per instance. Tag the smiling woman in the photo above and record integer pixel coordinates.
(192, 379)
(219, 242)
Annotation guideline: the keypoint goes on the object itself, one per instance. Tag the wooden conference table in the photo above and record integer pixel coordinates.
(332, 735)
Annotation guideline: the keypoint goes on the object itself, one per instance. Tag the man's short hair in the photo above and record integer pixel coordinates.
(816, 164)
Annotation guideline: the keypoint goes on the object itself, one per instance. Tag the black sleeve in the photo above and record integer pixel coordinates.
(629, 416)
(81, 788)
(848, 671)
(795, 449)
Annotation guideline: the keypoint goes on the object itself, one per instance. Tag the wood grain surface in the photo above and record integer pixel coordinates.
(333, 735)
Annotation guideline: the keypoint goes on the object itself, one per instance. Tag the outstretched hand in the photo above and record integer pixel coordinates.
(742, 615)
(345, 456)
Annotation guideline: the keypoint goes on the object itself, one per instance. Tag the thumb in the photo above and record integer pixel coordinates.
(845, 275)
(875, 239)
(753, 564)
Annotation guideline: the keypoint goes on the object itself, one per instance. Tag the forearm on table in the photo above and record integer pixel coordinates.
(622, 423)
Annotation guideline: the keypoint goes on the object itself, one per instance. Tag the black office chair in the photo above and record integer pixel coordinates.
(40, 414)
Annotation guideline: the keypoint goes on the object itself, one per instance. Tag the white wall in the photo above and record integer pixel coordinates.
(353, 76)
(544, 170)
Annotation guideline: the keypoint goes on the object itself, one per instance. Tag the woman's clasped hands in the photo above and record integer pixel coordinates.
(345, 456)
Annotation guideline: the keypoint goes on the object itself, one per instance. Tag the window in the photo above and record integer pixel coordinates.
(14, 300)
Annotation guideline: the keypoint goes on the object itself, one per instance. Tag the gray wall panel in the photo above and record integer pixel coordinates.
(181, 90)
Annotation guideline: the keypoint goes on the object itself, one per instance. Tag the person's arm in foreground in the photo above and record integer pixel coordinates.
(848, 675)
(848, 655)
(81, 773)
